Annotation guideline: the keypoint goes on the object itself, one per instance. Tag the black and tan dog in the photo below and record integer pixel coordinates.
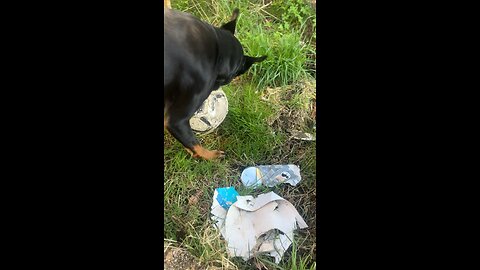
(199, 58)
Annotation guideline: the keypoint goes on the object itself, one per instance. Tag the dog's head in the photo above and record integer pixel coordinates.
(233, 62)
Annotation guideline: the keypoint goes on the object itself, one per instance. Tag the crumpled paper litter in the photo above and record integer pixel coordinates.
(252, 226)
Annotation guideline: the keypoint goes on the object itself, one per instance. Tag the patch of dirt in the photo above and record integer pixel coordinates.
(179, 259)
(300, 116)
(193, 200)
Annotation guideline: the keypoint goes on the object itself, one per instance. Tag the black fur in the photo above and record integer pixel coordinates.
(199, 58)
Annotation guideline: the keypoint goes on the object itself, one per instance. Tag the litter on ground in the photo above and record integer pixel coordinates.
(253, 226)
(271, 175)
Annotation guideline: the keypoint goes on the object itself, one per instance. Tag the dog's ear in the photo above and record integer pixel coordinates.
(249, 61)
(230, 26)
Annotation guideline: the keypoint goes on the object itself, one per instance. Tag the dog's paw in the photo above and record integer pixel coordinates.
(219, 154)
(201, 152)
(211, 155)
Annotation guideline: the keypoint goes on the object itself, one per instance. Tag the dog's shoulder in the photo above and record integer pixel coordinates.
(178, 23)
(171, 15)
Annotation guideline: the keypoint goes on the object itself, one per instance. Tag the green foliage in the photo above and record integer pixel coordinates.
(294, 13)
(287, 39)
(286, 58)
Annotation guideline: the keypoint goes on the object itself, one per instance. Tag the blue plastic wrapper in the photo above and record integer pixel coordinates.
(227, 196)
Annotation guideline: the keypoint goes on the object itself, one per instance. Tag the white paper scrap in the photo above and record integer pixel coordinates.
(257, 225)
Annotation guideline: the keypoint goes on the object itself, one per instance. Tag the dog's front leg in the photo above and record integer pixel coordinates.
(181, 130)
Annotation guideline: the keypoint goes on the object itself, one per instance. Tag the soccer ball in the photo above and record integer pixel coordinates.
(211, 114)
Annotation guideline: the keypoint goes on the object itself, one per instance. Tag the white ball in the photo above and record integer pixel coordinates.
(211, 114)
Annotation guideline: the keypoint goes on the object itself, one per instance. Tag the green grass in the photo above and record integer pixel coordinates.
(264, 105)
(287, 38)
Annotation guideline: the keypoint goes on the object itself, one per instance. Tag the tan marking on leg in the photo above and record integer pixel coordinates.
(165, 116)
(165, 121)
(206, 154)
(190, 152)
(166, 4)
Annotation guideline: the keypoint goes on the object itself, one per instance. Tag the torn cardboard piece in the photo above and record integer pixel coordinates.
(253, 226)
(218, 214)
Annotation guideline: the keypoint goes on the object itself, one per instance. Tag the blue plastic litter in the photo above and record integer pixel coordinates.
(226, 196)
(271, 175)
